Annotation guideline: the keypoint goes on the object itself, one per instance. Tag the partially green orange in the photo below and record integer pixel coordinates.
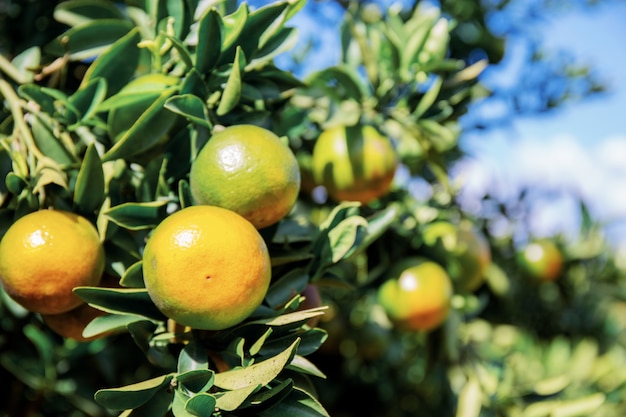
(418, 295)
(355, 163)
(541, 259)
(249, 170)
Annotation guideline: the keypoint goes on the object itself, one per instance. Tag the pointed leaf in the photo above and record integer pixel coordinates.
(344, 238)
(298, 403)
(133, 276)
(232, 90)
(131, 396)
(110, 323)
(302, 364)
(261, 373)
(190, 107)
(233, 25)
(138, 216)
(86, 99)
(231, 400)
(192, 357)
(196, 380)
(117, 64)
(89, 189)
(78, 12)
(201, 405)
(148, 130)
(49, 143)
(210, 34)
(121, 300)
(429, 98)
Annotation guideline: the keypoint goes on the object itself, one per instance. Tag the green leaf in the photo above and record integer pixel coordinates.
(281, 42)
(78, 12)
(87, 98)
(302, 364)
(192, 357)
(233, 25)
(90, 39)
(298, 403)
(110, 323)
(89, 191)
(232, 90)
(261, 373)
(133, 276)
(201, 405)
(182, 50)
(261, 24)
(231, 400)
(121, 300)
(256, 346)
(149, 130)
(286, 287)
(297, 317)
(36, 93)
(131, 396)
(42, 343)
(345, 238)
(138, 216)
(117, 64)
(190, 107)
(268, 396)
(310, 341)
(196, 380)
(184, 194)
(26, 62)
(343, 80)
(47, 142)
(210, 34)
(429, 98)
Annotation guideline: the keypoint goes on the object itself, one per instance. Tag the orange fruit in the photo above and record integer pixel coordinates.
(354, 163)
(541, 259)
(417, 296)
(206, 267)
(249, 170)
(44, 255)
(462, 249)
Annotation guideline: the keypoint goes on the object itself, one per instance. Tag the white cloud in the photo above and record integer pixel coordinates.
(559, 163)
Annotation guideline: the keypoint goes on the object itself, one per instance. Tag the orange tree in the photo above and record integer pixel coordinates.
(107, 121)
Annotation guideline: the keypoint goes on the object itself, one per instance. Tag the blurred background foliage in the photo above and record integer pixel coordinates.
(514, 347)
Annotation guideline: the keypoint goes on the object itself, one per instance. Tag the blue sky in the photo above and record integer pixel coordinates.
(579, 148)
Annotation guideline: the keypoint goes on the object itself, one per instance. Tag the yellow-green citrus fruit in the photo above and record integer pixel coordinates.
(462, 249)
(354, 163)
(206, 267)
(249, 170)
(44, 255)
(541, 259)
(418, 295)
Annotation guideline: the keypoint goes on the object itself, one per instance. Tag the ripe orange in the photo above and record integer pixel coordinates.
(44, 255)
(541, 259)
(247, 169)
(206, 267)
(354, 163)
(462, 249)
(417, 296)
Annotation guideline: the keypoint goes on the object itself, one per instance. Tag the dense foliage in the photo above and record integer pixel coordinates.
(105, 109)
